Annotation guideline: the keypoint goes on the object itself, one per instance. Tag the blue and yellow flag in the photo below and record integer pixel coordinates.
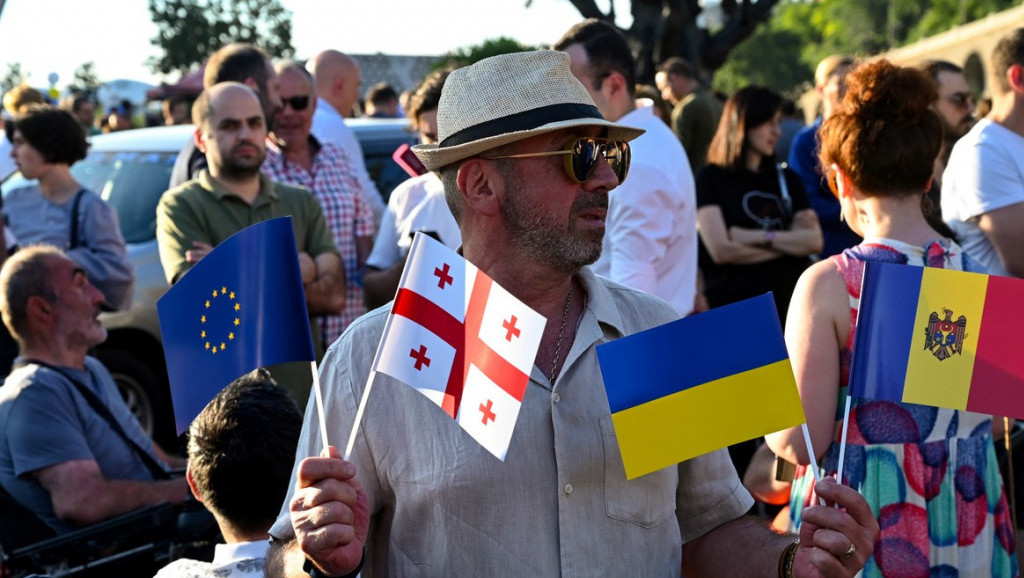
(240, 307)
(698, 384)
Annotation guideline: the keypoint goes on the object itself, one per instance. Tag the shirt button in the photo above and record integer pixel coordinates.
(556, 398)
(568, 489)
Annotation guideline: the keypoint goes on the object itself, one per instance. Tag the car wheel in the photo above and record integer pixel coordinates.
(144, 393)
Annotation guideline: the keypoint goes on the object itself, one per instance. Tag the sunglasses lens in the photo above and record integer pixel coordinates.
(586, 153)
(297, 102)
(618, 156)
(583, 159)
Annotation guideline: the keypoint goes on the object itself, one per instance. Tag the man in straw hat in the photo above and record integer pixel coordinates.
(419, 497)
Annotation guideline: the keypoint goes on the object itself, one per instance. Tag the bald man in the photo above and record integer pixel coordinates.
(337, 79)
(231, 194)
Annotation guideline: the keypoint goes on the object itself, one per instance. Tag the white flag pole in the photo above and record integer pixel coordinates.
(319, 397)
(376, 357)
(842, 441)
(359, 412)
(810, 452)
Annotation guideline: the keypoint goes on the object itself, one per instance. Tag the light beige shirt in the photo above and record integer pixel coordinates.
(559, 505)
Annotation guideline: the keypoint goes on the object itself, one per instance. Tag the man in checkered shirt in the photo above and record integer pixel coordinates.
(296, 157)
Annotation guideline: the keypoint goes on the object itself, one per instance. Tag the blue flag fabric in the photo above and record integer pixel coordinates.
(241, 307)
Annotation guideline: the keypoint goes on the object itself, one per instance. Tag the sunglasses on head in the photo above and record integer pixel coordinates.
(296, 102)
(960, 99)
(583, 154)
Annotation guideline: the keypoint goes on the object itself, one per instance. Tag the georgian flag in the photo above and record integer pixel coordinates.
(461, 340)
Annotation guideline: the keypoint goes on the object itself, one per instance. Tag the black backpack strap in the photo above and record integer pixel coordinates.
(103, 411)
(73, 243)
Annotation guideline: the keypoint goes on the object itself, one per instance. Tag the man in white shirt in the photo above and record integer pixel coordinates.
(650, 241)
(417, 204)
(337, 80)
(239, 457)
(983, 185)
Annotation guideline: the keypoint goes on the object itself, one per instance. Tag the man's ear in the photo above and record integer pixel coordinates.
(1015, 77)
(200, 141)
(39, 309)
(614, 84)
(477, 179)
(192, 484)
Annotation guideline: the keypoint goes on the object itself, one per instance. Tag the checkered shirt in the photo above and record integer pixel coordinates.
(336, 188)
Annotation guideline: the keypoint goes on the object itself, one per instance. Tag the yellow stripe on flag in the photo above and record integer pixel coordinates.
(945, 382)
(713, 415)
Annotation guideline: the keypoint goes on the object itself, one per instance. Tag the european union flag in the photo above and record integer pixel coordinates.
(240, 307)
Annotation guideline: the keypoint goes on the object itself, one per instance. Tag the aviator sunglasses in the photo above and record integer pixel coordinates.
(583, 154)
(296, 102)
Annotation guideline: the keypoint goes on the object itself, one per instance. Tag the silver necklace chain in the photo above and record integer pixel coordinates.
(561, 332)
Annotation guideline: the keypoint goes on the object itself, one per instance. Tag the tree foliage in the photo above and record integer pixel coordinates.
(13, 77)
(471, 54)
(783, 53)
(665, 28)
(190, 30)
(86, 81)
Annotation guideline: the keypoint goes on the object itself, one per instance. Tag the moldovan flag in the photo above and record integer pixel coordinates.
(461, 340)
(240, 307)
(699, 384)
(940, 337)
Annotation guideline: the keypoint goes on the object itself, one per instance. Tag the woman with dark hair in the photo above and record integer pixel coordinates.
(757, 228)
(929, 474)
(56, 210)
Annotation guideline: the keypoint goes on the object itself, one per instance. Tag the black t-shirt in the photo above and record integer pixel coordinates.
(753, 201)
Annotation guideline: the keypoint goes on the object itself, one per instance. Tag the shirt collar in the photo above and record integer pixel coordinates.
(600, 301)
(324, 107)
(209, 184)
(225, 553)
(275, 154)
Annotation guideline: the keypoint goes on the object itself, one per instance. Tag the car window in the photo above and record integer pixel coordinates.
(132, 183)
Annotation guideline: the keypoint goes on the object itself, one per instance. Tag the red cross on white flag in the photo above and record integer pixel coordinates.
(481, 342)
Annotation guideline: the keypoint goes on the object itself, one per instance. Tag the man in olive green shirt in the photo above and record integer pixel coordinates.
(232, 194)
(695, 111)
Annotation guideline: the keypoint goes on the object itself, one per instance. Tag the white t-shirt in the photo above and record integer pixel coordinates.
(418, 204)
(985, 172)
(650, 239)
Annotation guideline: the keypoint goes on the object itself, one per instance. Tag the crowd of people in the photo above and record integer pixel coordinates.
(607, 207)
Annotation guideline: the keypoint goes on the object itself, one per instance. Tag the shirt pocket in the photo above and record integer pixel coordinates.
(647, 501)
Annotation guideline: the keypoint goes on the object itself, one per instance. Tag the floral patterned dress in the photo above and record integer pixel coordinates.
(929, 474)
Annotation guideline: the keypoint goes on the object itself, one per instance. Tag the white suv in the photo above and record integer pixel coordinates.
(131, 170)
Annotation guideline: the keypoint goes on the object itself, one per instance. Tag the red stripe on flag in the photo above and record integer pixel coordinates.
(996, 382)
(494, 366)
(471, 350)
(430, 315)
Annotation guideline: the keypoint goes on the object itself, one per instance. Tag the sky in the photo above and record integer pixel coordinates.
(57, 36)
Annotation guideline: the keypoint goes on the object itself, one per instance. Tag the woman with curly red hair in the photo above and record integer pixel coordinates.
(929, 474)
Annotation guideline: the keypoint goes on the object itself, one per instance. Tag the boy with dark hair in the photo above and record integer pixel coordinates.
(239, 463)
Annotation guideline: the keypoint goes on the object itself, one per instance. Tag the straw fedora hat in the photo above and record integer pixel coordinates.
(507, 98)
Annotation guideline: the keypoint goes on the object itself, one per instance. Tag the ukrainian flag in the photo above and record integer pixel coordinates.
(699, 384)
(940, 337)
